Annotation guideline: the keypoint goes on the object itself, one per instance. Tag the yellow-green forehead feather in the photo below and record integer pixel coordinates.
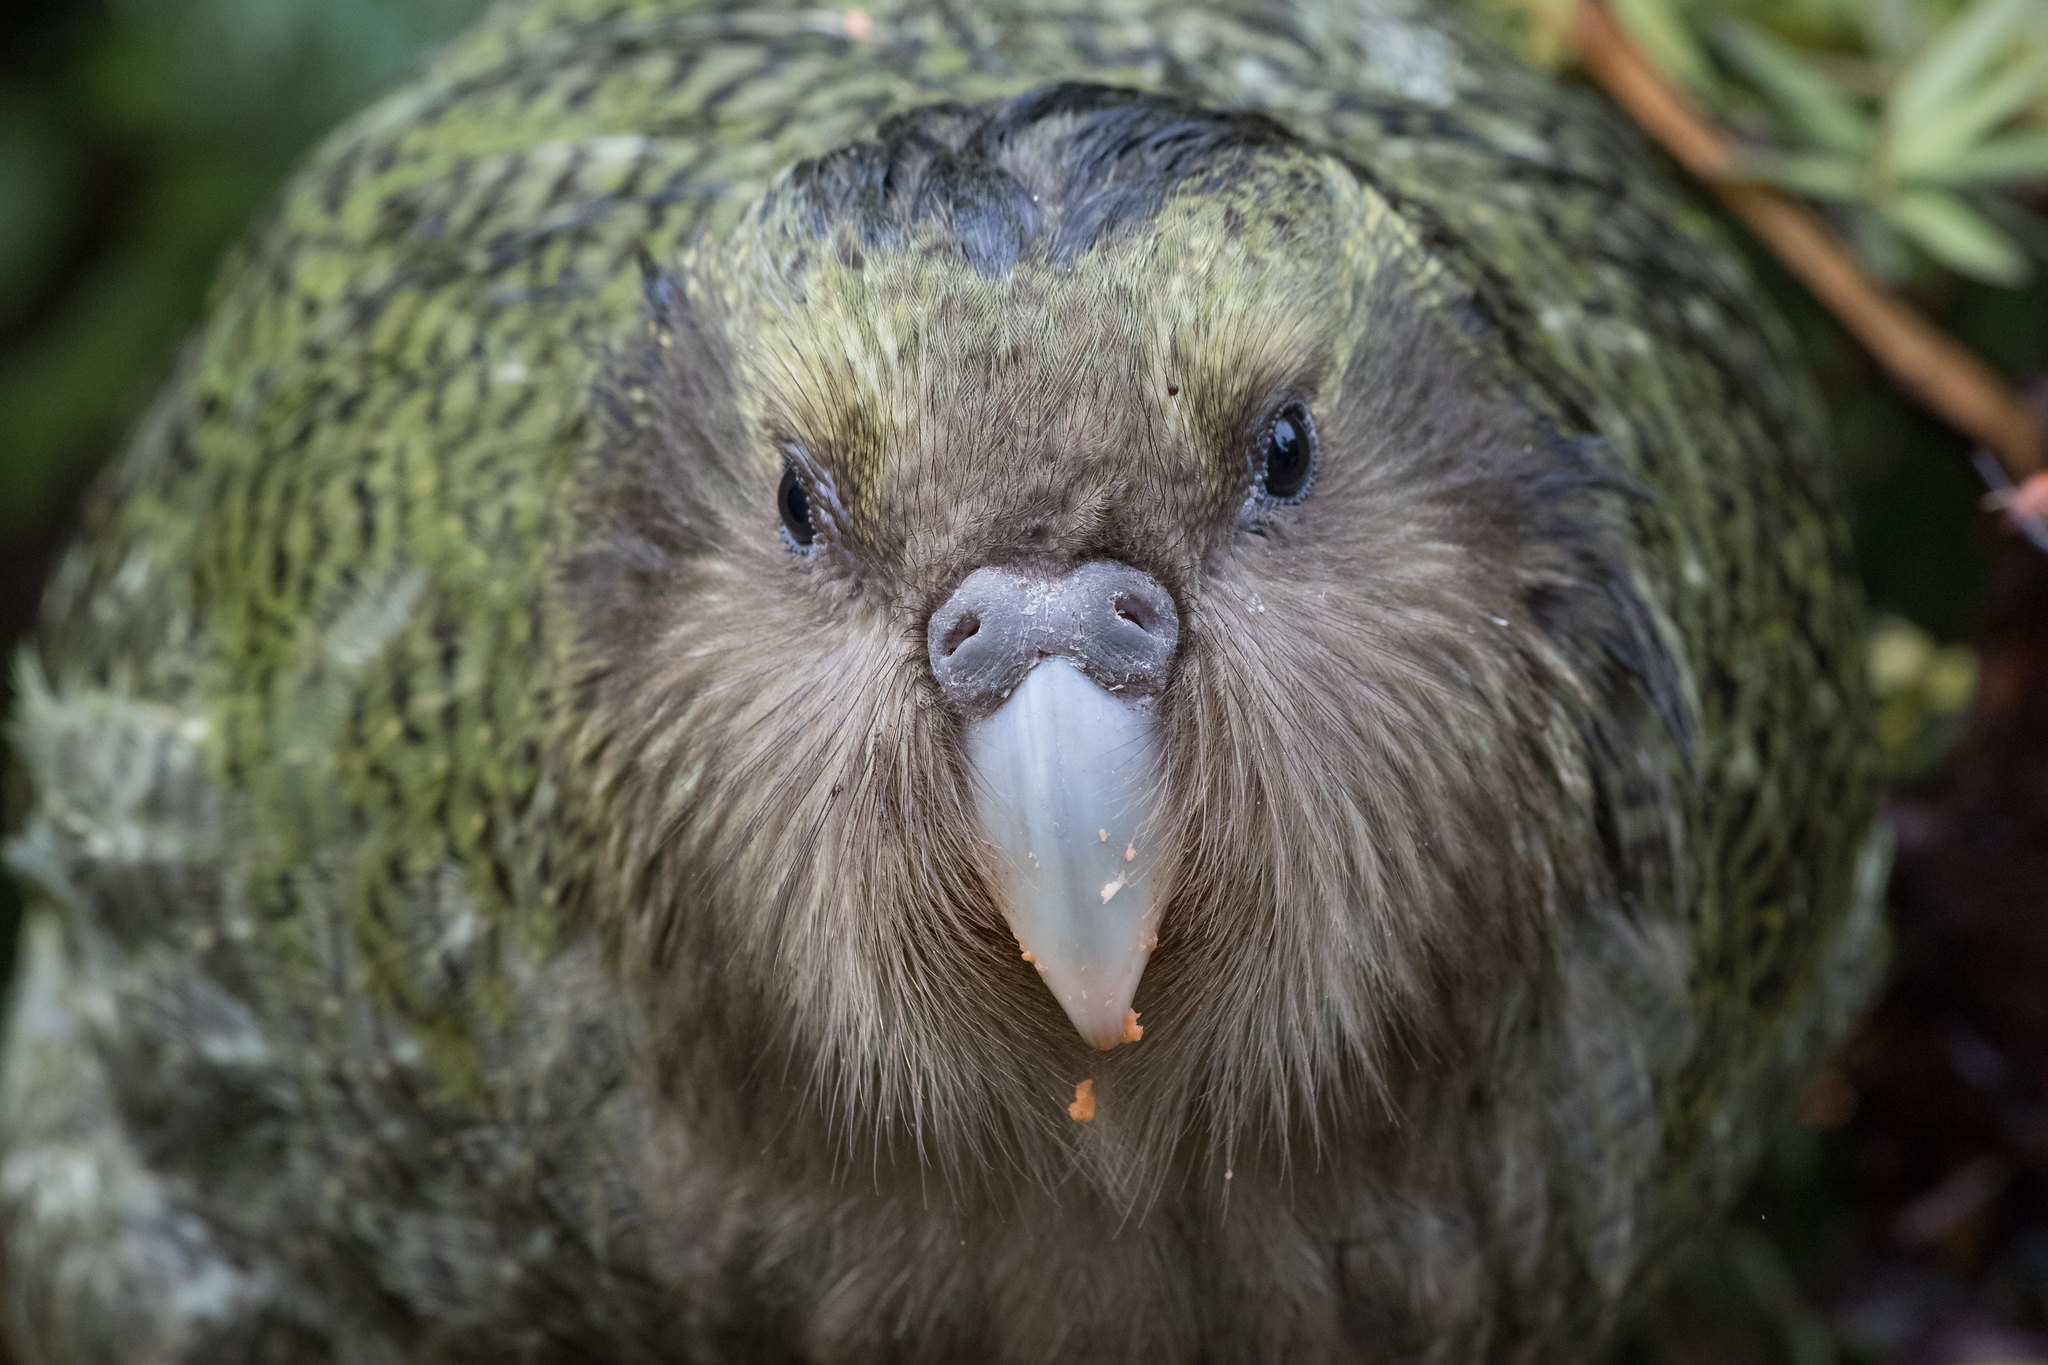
(852, 350)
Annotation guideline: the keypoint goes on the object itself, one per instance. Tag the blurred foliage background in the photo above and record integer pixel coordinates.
(137, 137)
(1904, 1219)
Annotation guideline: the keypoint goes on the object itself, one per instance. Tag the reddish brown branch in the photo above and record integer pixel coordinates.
(1921, 358)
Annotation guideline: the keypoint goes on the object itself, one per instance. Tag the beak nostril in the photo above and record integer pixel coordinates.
(963, 629)
(1115, 624)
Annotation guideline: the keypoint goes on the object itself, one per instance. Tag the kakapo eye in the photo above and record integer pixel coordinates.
(794, 500)
(1287, 454)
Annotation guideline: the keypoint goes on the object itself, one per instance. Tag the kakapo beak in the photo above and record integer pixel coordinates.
(1065, 775)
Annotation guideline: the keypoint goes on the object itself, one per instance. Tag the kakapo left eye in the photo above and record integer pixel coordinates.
(1287, 464)
(795, 501)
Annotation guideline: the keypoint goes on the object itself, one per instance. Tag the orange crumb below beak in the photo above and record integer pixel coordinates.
(1083, 1107)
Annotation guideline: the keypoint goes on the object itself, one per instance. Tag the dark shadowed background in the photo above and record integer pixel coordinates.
(1904, 1219)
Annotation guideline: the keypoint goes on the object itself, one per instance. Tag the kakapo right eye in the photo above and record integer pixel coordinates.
(1288, 454)
(795, 502)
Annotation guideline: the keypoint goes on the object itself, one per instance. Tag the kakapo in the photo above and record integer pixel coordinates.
(735, 600)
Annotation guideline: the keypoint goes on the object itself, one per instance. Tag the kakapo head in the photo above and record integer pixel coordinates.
(1084, 566)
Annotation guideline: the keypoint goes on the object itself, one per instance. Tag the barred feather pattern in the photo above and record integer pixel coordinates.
(449, 800)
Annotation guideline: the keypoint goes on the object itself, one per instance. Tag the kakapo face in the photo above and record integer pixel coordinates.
(1078, 569)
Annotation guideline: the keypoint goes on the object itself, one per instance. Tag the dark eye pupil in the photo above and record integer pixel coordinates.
(795, 501)
(1290, 454)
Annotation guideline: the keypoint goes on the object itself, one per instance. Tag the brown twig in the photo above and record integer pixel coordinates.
(1922, 359)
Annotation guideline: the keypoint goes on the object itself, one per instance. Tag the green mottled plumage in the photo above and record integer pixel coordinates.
(319, 1051)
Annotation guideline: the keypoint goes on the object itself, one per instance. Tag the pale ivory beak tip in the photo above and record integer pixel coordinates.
(1066, 776)
(1104, 1038)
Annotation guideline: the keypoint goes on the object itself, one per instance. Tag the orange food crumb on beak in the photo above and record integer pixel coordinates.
(1133, 1030)
(1083, 1107)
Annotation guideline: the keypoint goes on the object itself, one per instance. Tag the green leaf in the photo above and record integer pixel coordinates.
(2023, 156)
(1956, 58)
(1962, 124)
(1956, 235)
(1893, 29)
(1816, 108)
(1879, 244)
(1816, 176)
(1663, 33)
